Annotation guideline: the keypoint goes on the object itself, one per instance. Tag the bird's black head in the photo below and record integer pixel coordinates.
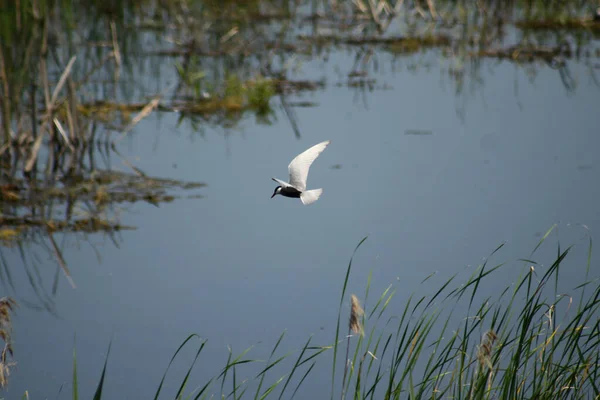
(277, 191)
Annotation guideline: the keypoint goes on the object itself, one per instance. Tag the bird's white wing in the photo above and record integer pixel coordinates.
(281, 183)
(300, 165)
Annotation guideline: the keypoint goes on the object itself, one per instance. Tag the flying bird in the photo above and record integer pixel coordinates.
(298, 170)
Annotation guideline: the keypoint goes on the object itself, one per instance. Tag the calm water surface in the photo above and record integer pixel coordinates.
(501, 162)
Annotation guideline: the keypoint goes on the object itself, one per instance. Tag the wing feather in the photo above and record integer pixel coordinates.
(300, 165)
(281, 183)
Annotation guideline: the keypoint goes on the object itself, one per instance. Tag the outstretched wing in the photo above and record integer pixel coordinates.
(300, 165)
(281, 183)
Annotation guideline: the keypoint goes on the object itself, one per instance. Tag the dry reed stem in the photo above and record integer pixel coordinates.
(360, 5)
(431, 6)
(5, 367)
(147, 110)
(398, 6)
(49, 110)
(62, 132)
(375, 12)
(34, 151)
(419, 10)
(232, 32)
(72, 104)
(7, 306)
(116, 51)
(50, 106)
(4, 147)
(62, 80)
(61, 261)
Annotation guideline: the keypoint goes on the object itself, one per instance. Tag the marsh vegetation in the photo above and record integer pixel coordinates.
(528, 340)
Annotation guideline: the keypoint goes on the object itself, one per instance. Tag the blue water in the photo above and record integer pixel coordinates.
(499, 165)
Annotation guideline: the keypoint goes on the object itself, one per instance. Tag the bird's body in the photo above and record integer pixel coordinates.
(298, 170)
(288, 191)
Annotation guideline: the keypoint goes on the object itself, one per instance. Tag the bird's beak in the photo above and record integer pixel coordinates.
(273, 195)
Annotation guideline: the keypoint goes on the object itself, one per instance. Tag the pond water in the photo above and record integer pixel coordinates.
(435, 177)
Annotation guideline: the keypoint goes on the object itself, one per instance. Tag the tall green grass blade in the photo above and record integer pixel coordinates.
(98, 394)
(190, 337)
(271, 365)
(431, 275)
(189, 371)
(315, 355)
(368, 288)
(337, 329)
(543, 239)
(204, 388)
(236, 361)
(440, 290)
(271, 388)
(296, 365)
(231, 366)
(262, 374)
(75, 384)
(233, 382)
(225, 370)
(386, 303)
(589, 259)
(302, 380)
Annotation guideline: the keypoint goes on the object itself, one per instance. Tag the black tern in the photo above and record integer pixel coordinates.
(298, 170)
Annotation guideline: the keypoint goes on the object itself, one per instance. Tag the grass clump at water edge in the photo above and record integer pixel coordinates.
(528, 341)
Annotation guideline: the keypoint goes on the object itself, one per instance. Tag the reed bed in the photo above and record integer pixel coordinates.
(528, 341)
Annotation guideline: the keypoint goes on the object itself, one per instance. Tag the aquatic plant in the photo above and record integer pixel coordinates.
(512, 344)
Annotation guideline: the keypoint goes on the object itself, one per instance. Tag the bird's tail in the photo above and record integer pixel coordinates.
(310, 196)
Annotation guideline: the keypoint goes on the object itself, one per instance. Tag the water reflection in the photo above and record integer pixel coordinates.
(242, 56)
(72, 205)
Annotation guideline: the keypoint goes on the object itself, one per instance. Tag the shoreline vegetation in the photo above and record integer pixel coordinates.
(528, 340)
